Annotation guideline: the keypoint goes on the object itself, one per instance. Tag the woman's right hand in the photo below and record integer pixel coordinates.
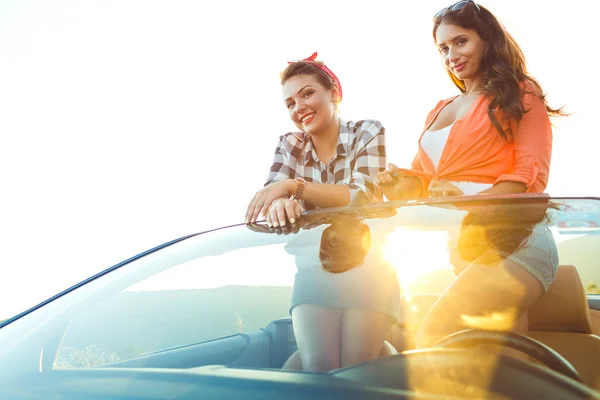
(262, 200)
(281, 211)
(390, 182)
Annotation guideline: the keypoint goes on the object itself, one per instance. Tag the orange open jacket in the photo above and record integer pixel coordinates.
(476, 152)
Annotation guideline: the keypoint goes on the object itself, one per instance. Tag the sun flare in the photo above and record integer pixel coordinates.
(416, 255)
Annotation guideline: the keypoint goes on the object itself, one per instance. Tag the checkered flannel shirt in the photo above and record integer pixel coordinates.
(360, 156)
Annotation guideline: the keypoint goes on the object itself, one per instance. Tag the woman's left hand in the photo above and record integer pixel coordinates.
(281, 211)
(262, 200)
(443, 188)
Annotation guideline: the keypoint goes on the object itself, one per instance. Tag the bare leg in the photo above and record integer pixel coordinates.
(480, 295)
(317, 330)
(363, 335)
(293, 363)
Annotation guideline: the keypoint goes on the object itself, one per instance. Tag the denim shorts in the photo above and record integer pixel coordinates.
(372, 285)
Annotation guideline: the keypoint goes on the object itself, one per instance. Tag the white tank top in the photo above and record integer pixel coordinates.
(433, 143)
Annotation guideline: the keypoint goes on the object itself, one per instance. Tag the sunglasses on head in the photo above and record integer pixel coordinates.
(456, 7)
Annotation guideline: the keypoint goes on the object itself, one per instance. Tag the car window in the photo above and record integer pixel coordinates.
(577, 234)
(199, 300)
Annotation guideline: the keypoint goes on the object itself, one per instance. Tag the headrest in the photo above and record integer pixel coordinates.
(564, 308)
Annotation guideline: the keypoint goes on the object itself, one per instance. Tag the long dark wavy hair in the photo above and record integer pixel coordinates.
(344, 244)
(491, 233)
(504, 67)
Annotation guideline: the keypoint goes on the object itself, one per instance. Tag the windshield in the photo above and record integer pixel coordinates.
(240, 279)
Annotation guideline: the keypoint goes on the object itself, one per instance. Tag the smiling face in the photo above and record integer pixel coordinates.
(462, 51)
(311, 106)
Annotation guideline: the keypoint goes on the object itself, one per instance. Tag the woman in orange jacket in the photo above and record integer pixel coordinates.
(495, 137)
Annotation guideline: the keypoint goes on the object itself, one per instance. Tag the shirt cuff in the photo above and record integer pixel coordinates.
(526, 177)
(360, 196)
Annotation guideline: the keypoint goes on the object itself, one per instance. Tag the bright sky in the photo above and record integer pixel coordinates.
(128, 123)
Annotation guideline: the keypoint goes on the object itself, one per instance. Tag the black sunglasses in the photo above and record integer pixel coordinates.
(456, 7)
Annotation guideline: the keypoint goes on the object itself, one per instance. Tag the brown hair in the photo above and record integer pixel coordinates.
(344, 245)
(308, 68)
(503, 62)
(490, 232)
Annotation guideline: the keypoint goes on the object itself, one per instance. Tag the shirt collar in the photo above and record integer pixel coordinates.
(343, 144)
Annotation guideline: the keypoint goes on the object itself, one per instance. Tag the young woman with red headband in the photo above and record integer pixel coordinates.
(328, 163)
(495, 137)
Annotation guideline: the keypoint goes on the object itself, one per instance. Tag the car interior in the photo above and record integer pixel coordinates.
(562, 319)
(565, 321)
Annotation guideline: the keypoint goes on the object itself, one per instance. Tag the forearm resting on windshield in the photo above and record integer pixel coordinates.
(506, 187)
(326, 195)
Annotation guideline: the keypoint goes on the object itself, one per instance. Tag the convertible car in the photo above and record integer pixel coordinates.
(207, 315)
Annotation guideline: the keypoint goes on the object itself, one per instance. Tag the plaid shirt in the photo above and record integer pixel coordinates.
(360, 156)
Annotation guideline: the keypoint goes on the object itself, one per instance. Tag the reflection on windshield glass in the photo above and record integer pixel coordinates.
(239, 280)
(500, 228)
(344, 244)
(242, 267)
